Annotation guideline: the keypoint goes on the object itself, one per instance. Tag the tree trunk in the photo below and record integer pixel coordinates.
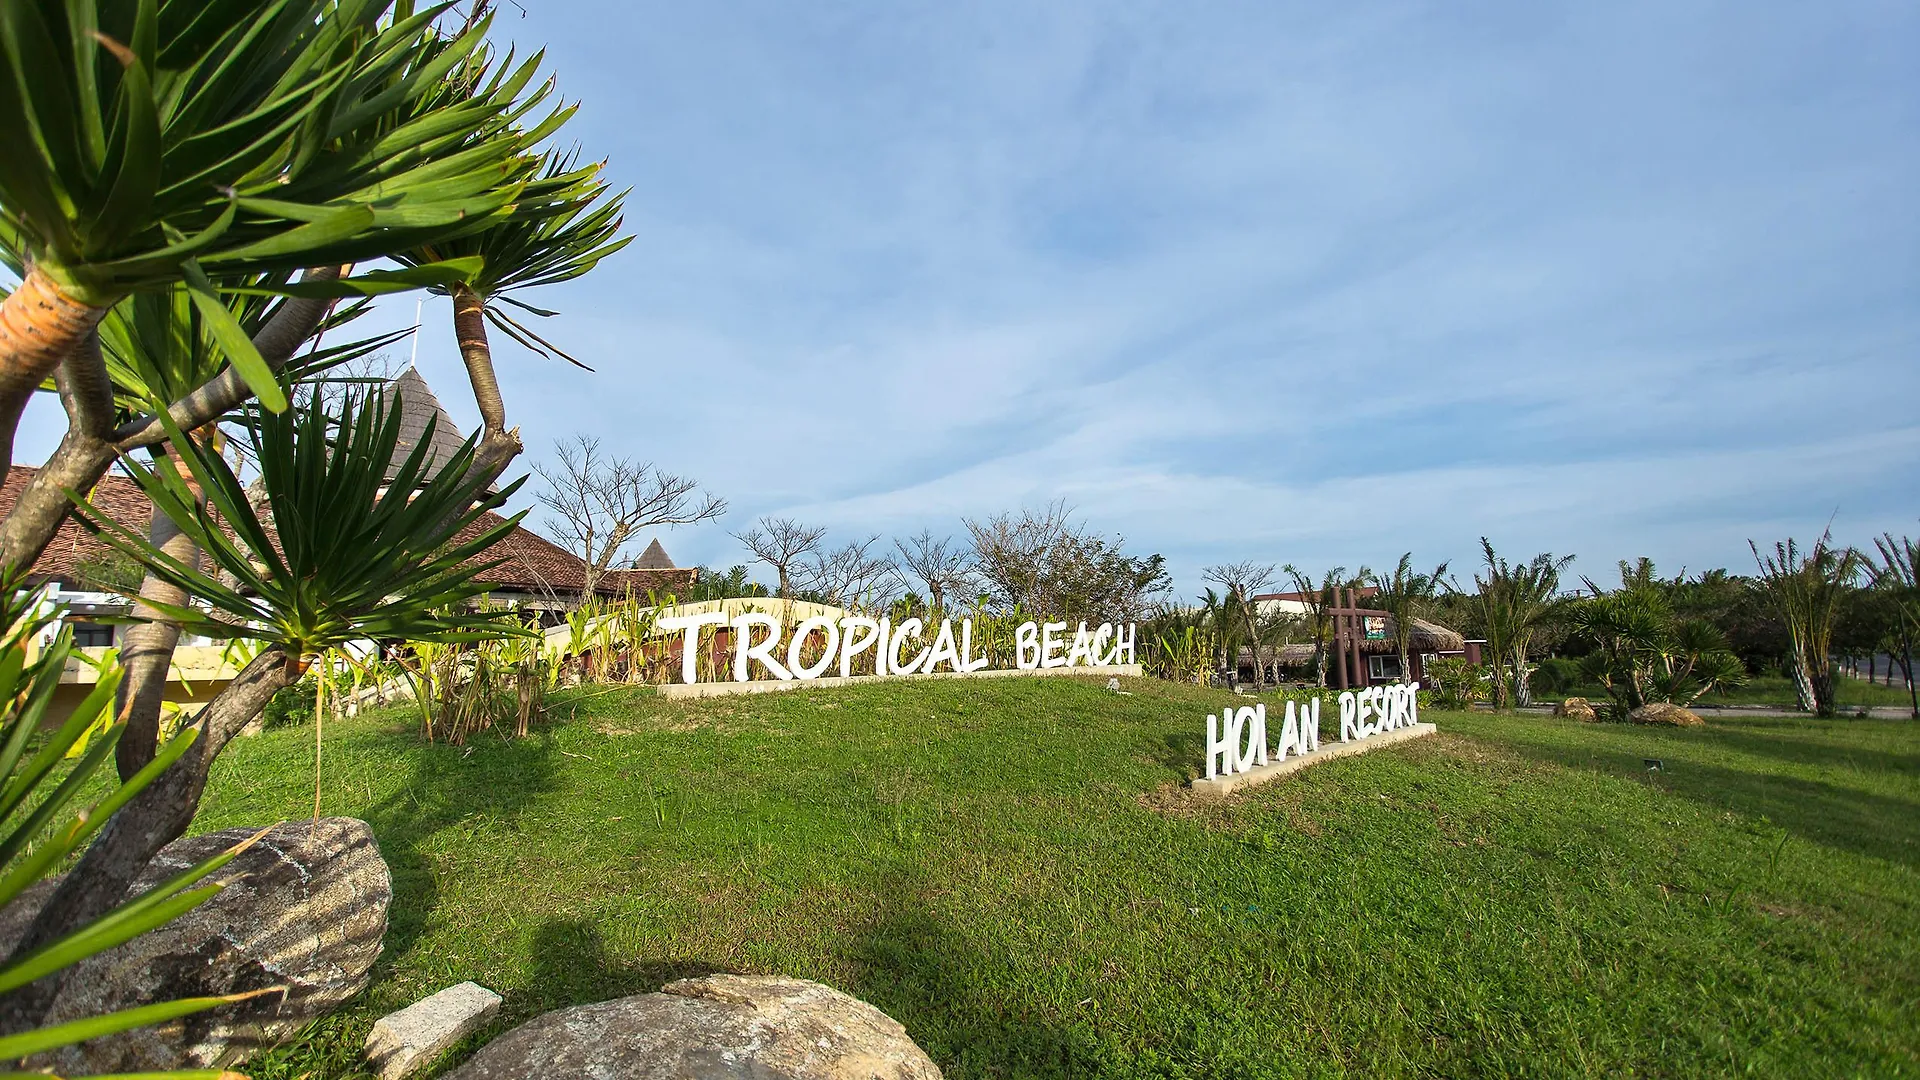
(146, 653)
(39, 325)
(498, 444)
(91, 443)
(154, 818)
(82, 458)
(1906, 668)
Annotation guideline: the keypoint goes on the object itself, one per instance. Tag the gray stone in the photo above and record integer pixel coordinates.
(407, 1041)
(305, 909)
(720, 1027)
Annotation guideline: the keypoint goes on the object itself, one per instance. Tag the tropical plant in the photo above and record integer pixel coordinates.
(159, 348)
(47, 815)
(1318, 601)
(1455, 683)
(347, 557)
(564, 222)
(1644, 653)
(1243, 581)
(155, 142)
(1515, 600)
(1807, 588)
(1407, 595)
(1898, 576)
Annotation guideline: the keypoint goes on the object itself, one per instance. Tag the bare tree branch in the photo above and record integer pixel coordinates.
(781, 543)
(601, 504)
(852, 574)
(946, 569)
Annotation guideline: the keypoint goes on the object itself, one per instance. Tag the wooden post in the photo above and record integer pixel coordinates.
(1339, 643)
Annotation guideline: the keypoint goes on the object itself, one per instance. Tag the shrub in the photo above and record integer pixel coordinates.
(1456, 684)
(1555, 677)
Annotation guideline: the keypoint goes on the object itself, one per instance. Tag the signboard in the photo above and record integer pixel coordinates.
(1376, 627)
(842, 639)
(1237, 738)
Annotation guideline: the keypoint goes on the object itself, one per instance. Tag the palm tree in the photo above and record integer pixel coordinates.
(1515, 599)
(1807, 589)
(1319, 604)
(565, 223)
(343, 555)
(1898, 574)
(158, 349)
(269, 138)
(1405, 596)
(179, 141)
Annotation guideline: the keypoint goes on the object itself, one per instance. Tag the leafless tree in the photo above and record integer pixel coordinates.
(945, 568)
(1243, 581)
(781, 543)
(852, 573)
(1043, 562)
(601, 503)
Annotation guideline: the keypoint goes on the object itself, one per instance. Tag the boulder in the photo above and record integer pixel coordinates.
(719, 1026)
(1576, 708)
(305, 908)
(1664, 712)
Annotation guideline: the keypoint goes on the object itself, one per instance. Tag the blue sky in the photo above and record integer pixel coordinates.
(1297, 282)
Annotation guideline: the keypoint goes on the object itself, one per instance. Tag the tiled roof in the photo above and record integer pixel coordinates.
(534, 563)
(116, 496)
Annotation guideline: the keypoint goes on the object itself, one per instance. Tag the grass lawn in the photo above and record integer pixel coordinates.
(1777, 691)
(1011, 868)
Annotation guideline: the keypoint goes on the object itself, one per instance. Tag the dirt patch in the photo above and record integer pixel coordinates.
(1176, 799)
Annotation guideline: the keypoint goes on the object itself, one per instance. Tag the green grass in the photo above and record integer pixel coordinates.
(1012, 869)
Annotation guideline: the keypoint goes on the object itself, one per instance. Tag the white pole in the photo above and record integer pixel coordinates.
(417, 305)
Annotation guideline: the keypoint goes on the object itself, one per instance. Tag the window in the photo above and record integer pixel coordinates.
(1383, 667)
(91, 635)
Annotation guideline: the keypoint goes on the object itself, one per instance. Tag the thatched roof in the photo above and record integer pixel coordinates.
(417, 406)
(654, 558)
(1427, 637)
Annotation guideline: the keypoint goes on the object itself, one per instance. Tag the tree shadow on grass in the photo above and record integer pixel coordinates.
(914, 969)
(569, 964)
(1815, 751)
(1844, 818)
(495, 779)
(1180, 751)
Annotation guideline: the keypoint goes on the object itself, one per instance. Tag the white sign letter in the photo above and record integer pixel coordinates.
(1050, 645)
(1025, 639)
(744, 650)
(852, 644)
(908, 630)
(800, 635)
(690, 643)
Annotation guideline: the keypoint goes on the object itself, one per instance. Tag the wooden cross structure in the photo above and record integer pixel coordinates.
(1349, 631)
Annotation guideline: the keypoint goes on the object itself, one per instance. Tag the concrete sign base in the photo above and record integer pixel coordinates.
(1260, 774)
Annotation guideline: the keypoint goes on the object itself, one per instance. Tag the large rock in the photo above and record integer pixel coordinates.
(305, 908)
(1576, 708)
(720, 1026)
(1664, 712)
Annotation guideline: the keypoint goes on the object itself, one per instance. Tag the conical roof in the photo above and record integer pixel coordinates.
(654, 558)
(417, 406)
